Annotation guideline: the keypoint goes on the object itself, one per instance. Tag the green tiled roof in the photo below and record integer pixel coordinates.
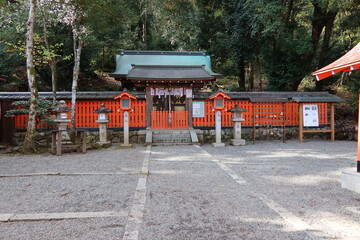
(161, 58)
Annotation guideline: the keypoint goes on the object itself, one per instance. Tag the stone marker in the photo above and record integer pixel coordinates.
(218, 142)
(103, 119)
(126, 130)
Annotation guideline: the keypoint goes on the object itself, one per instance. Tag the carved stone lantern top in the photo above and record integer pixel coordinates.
(237, 109)
(102, 109)
(62, 111)
(102, 114)
(62, 107)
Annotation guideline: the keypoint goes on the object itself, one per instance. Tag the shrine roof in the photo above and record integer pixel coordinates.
(246, 96)
(156, 72)
(127, 58)
(277, 96)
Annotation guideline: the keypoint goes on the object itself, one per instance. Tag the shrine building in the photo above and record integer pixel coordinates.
(169, 79)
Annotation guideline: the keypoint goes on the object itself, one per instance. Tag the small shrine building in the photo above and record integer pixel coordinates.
(169, 79)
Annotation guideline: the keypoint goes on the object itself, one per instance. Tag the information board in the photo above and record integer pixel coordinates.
(198, 109)
(311, 115)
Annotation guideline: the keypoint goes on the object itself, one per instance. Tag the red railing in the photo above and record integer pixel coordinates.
(85, 118)
(160, 119)
(291, 113)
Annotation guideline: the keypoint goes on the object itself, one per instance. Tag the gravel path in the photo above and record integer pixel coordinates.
(270, 190)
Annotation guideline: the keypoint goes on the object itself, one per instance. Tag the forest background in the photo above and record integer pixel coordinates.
(258, 45)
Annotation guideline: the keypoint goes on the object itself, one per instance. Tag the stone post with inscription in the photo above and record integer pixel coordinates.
(126, 130)
(218, 142)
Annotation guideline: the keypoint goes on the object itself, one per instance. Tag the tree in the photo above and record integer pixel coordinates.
(72, 13)
(29, 144)
(44, 114)
(243, 45)
(76, 15)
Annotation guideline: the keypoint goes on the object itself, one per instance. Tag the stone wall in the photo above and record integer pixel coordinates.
(208, 135)
(43, 138)
(344, 131)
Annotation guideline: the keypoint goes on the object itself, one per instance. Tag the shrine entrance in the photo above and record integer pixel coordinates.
(169, 109)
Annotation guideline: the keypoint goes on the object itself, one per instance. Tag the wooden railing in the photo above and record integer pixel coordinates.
(291, 113)
(85, 118)
(160, 119)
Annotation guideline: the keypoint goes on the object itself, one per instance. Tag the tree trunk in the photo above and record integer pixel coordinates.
(251, 76)
(330, 18)
(78, 43)
(317, 25)
(241, 68)
(258, 73)
(29, 143)
(53, 68)
(52, 60)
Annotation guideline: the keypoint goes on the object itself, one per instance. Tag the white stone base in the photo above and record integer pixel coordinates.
(218, 144)
(103, 144)
(238, 142)
(126, 145)
(350, 179)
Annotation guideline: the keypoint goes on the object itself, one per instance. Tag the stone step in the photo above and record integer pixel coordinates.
(170, 131)
(166, 136)
(170, 144)
(172, 140)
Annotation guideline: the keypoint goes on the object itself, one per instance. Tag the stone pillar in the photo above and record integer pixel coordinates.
(218, 142)
(237, 119)
(237, 141)
(62, 126)
(103, 132)
(126, 130)
(103, 119)
(62, 120)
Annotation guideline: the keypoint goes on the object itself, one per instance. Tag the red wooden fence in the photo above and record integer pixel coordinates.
(160, 119)
(85, 118)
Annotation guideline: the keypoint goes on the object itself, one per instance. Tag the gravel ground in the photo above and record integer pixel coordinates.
(190, 192)
(304, 179)
(84, 229)
(98, 181)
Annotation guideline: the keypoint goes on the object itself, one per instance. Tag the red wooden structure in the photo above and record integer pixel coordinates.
(85, 118)
(349, 62)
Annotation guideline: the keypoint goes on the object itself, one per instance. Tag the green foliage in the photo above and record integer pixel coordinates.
(44, 114)
(9, 63)
(352, 84)
(41, 54)
(275, 37)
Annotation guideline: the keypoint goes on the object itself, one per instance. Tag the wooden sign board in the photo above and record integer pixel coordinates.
(311, 115)
(198, 109)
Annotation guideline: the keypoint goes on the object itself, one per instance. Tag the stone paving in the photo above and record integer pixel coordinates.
(270, 190)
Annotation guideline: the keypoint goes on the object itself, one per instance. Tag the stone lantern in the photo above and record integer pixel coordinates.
(62, 119)
(237, 119)
(103, 119)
